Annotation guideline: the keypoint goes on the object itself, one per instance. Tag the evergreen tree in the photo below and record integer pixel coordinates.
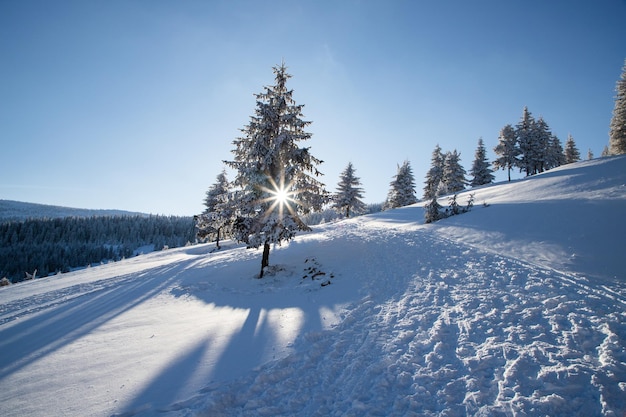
(555, 156)
(541, 148)
(453, 179)
(348, 197)
(589, 154)
(217, 215)
(507, 150)
(526, 132)
(402, 188)
(481, 171)
(571, 151)
(606, 151)
(275, 175)
(617, 131)
(434, 174)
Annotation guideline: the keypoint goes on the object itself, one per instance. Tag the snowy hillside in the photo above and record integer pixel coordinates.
(515, 308)
(18, 210)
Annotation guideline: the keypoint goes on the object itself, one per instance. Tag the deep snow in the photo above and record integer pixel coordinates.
(515, 308)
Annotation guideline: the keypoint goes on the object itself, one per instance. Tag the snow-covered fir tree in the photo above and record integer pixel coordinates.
(481, 171)
(347, 199)
(555, 156)
(605, 151)
(526, 133)
(434, 174)
(218, 214)
(617, 131)
(589, 154)
(276, 177)
(571, 151)
(402, 188)
(541, 148)
(507, 150)
(453, 179)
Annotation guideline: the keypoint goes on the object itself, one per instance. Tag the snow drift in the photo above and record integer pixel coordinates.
(515, 308)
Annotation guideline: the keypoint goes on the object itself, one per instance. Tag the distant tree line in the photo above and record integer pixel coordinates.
(62, 244)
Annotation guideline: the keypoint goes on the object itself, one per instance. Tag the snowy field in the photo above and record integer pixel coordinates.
(517, 308)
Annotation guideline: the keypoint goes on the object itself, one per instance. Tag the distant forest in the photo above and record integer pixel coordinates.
(62, 244)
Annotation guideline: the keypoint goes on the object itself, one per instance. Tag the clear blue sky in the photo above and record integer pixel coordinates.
(134, 104)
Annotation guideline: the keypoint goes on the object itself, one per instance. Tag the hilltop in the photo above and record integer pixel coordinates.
(19, 210)
(515, 308)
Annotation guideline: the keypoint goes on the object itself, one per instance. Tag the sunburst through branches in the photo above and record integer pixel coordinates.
(281, 197)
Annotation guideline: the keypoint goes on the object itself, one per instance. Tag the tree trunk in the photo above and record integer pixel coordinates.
(265, 261)
(217, 242)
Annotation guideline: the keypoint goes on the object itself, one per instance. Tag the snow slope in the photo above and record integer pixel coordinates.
(514, 309)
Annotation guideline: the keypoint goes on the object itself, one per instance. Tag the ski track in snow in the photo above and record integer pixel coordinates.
(474, 333)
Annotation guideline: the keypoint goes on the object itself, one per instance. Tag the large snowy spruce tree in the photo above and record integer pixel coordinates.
(434, 174)
(347, 199)
(481, 171)
(218, 213)
(276, 176)
(507, 150)
(617, 131)
(402, 188)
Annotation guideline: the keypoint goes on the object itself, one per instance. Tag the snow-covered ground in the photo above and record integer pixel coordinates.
(516, 308)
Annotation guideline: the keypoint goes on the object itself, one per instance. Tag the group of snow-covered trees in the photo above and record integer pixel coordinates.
(617, 131)
(531, 147)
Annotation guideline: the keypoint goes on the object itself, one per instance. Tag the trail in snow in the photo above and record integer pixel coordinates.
(447, 331)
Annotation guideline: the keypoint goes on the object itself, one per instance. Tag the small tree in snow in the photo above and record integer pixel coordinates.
(402, 188)
(507, 150)
(348, 197)
(571, 151)
(433, 211)
(555, 156)
(434, 174)
(617, 131)
(217, 215)
(275, 175)
(481, 170)
(453, 179)
(589, 154)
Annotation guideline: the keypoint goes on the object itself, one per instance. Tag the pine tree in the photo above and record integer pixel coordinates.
(541, 148)
(555, 156)
(526, 138)
(348, 197)
(589, 154)
(571, 151)
(507, 150)
(434, 174)
(218, 214)
(617, 131)
(402, 188)
(606, 151)
(453, 179)
(481, 171)
(275, 177)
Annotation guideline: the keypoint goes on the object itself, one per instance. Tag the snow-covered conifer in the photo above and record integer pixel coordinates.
(402, 188)
(507, 150)
(275, 176)
(526, 133)
(217, 215)
(347, 199)
(481, 171)
(605, 151)
(433, 211)
(571, 151)
(541, 148)
(617, 131)
(554, 156)
(589, 154)
(434, 174)
(453, 179)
